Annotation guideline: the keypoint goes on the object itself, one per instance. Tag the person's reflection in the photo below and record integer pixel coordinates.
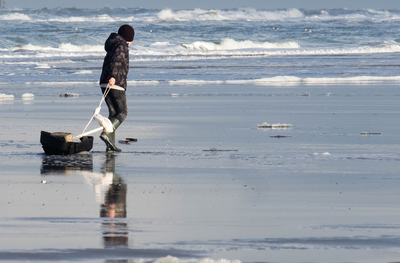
(113, 207)
(110, 190)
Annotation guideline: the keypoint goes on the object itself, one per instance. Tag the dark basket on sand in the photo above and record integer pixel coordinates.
(62, 143)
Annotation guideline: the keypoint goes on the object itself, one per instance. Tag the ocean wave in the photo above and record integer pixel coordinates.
(67, 19)
(83, 72)
(352, 15)
(35, 18)
(195, 82)
(90, 83)
(97, 255)
(250, 14)
(248, 48)
(270, 81)
(27, 47)
(170, 259)
(70, 47)
(291, 80)
(65, 47)
(198, 50)
(68, 15)
(103, 18)
(15, 17)
(62, 83)
(231, 44)
(247, 14)
(241, 49)
(143, 82)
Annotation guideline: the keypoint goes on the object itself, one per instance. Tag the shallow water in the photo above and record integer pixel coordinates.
(203, 181)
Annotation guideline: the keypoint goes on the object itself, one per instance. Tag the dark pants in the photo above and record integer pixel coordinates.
(116, 102)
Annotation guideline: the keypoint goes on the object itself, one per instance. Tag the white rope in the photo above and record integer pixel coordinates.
(97, 110)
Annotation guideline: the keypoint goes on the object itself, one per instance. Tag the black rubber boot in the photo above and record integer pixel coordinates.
(109, 137)
(116, 123)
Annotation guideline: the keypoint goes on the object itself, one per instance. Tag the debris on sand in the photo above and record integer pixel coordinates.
(6, 97)
(216, 150)
(68, 95)
(371, 133)
(275, 126)
(27, 96)
(280, 136)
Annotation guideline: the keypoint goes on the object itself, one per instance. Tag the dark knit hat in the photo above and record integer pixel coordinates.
(127, 32)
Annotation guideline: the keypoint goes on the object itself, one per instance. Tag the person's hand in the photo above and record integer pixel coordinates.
(111, 82)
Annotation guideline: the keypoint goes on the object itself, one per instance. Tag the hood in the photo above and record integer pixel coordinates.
(114, 40)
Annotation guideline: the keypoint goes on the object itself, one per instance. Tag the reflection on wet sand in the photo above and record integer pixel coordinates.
(66, 164)
(110, 190)
(113, 207)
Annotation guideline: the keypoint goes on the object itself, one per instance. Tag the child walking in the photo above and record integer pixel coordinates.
(113, 80)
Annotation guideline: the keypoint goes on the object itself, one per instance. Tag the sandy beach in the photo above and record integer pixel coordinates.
(204, 183)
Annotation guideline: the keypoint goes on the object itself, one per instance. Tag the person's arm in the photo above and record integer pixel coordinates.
(119, 64)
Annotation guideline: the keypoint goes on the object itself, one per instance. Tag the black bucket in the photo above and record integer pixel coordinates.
(56, 145)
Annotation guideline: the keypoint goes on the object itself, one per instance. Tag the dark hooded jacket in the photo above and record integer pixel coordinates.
(116, 62)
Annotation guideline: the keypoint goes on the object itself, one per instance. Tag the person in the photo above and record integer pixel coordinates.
(113, 80)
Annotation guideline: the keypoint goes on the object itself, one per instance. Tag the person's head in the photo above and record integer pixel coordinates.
(127, 32)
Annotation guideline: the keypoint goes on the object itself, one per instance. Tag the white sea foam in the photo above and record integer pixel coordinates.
(104, 18)
(71, 47)
(325, 154)
(83, 72)
(15, 16)
(27, 47)
(188, 15)
(143, 82)
(43, 65)
(167, 15)
(69, 19)
(161, 44)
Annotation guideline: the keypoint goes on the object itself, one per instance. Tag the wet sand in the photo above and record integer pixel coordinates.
(203, 181)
